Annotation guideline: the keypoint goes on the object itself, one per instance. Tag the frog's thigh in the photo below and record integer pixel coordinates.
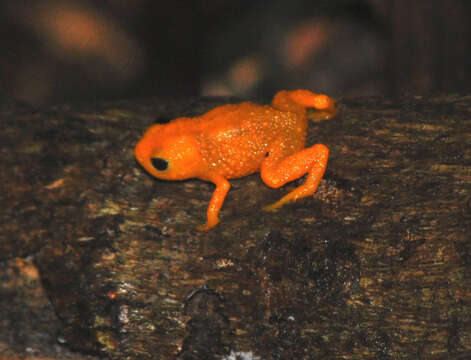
(276, 172)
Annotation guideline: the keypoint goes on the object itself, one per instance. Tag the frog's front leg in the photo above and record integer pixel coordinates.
(276, 171)
(219, 194)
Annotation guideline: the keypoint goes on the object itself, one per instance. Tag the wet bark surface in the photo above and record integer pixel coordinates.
(376, 265)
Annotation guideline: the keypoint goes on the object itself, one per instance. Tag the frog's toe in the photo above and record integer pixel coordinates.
(204, 227)
(272, 207)
(208, 226)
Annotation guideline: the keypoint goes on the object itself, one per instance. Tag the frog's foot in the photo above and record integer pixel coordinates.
(308, 188)
(208, 226)
(324, 104)
(323, 115)
(222, 187)
(311, 160)
(285, 100)
(273, 207)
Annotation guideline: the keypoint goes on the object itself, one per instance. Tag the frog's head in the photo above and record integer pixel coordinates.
(168, 154)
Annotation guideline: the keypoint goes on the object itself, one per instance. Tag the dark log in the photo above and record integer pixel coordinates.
(376, 265)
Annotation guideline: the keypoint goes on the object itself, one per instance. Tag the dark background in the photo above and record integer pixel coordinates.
(68, 50)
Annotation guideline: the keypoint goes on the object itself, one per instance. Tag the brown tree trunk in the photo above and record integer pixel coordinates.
(377, 265)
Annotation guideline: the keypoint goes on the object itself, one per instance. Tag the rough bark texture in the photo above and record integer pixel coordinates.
(377, 265)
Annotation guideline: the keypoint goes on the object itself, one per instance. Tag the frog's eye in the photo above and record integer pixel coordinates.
(159, 163)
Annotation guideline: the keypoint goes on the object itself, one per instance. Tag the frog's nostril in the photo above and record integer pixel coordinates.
(159, 163)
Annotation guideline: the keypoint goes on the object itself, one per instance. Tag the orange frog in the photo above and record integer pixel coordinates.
(236, 140)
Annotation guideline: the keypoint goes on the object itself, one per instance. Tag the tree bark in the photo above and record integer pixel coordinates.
(376, 265)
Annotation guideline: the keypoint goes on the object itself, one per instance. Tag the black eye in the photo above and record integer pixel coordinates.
(159, 163)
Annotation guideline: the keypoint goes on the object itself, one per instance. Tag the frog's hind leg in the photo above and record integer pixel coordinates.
(275, 173)
(290, 100)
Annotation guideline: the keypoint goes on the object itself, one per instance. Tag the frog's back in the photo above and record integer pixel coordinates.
(260, 120)
(234, 138)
